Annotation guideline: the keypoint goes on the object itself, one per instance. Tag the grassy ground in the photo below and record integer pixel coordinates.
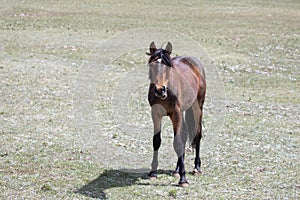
(47, 45)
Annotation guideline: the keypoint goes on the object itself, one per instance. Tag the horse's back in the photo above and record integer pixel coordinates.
(193, 64)
(192, 79)
(190, 69)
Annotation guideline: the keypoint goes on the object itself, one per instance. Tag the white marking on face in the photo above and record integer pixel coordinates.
(160, 70)
(159, 60)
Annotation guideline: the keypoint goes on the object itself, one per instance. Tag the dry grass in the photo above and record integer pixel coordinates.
(254, 46)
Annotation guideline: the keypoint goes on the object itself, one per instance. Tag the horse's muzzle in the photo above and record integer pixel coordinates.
(160, 92)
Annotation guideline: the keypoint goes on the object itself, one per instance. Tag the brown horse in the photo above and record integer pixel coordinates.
(177, 89)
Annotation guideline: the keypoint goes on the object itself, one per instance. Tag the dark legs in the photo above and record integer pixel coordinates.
(181, 171)
(157, 112)
(195, 131)
(192, 127)
(181, 131)
(184, 138)
(197, 162)
(180, 137)
(154, 164)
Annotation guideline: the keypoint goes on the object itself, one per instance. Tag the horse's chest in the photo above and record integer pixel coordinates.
(169, 105)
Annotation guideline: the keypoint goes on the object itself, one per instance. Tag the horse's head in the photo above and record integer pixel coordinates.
(160, 64)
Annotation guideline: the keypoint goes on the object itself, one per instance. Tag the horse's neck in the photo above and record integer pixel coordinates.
(183, 87)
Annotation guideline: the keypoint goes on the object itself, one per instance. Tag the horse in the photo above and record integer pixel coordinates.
(177, 89)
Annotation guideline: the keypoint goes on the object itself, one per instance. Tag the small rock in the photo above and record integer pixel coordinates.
(46, 187)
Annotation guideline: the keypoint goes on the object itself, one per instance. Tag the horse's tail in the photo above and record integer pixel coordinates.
(190, 125)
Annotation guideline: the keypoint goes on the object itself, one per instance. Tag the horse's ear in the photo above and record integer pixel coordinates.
(152, 48)
(169, 48)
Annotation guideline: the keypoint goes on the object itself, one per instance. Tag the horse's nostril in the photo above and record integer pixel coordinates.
(159, 91)
(156, 90)
(163, 89)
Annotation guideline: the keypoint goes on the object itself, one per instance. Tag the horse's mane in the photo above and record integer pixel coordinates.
(162, 54)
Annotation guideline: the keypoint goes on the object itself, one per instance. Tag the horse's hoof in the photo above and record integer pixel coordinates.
(184, 185)
(152, 175)
(152, 178)
(176, 175)
(196, 172)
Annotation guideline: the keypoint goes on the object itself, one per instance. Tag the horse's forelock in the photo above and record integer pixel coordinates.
(163, 55)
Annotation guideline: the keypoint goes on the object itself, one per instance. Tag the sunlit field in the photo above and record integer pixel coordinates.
(74, 118)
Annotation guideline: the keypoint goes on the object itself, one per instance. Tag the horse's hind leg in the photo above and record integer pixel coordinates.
(197, 108)
(197, 168)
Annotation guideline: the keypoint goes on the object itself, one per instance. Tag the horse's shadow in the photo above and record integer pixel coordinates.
(115, 178)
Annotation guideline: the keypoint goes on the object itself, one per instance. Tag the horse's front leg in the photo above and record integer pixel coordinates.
(184, 139)
(179, 146)
(157, 114)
